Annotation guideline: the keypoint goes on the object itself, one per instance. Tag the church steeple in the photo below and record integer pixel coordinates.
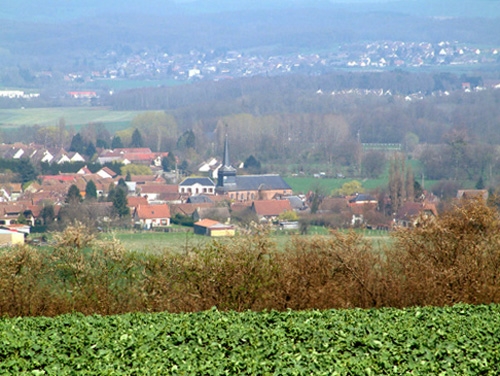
(225, 161)
(227, 173)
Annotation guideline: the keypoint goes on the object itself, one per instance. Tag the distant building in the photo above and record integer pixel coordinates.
(213, 228)
(248, 187)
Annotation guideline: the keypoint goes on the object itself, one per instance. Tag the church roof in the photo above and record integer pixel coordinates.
(258, 182)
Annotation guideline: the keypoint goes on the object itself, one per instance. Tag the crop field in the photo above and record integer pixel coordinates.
(73, 116)
(457, 340)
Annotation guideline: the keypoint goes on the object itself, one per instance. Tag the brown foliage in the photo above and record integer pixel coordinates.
(454, 258)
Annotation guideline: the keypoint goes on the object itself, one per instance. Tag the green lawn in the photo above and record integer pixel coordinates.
(152, 242)
(73, 116)
(178, 242)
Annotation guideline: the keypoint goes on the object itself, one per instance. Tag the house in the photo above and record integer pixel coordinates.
(209, 227)
(149, 216)
(135, 201)
(196, 186)
(106, 173)
(187, 210)
(363, 199)
(84, 171)
(127, 156)
(163, 192)
(269, 210)
(472, 194)
(409, 213)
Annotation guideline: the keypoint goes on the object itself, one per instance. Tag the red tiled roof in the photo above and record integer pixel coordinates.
(271, 207)
(159, 188)
(134, 201)
(152, 211)
(206, 223)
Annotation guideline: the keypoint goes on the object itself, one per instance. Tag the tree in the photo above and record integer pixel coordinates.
(397, 185)
(90, 191)
(373, 164)
(288, 215)
(135, 169)
(350, 188)
(90, 150)
(27, 171)
(251, 163)
(316, 197)
(100, 143)
(187, 140)
(159, 129)
(77, 144)
(47, 214)
(480, 183)
(137, 141)
(168, 162)
(116, 143)
(73, 196)
(120, 205)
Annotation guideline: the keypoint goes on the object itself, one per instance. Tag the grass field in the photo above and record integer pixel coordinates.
(179, 242)
(73, 116)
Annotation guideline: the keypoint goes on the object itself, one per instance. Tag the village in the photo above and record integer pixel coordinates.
(217, 200)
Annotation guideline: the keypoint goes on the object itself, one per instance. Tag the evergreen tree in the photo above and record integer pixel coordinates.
(100, 143)
(77, 144)
(137, 141)
(480, 183)
(120, 204)
(26, 170)
(116, 143)
(90, 191)
(47, 214)
(251, 163)
(168, 162)
(73, 196)
(90, 150)
(122, 185)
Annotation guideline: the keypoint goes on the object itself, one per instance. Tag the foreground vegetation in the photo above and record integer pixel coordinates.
(455, 340)
(445, 261)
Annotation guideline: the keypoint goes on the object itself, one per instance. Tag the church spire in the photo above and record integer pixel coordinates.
(225, 160)
(227, 173)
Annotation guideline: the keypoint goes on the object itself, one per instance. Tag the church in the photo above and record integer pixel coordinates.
(248, 187)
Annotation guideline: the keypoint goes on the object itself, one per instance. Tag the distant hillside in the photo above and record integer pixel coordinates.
(61, 10)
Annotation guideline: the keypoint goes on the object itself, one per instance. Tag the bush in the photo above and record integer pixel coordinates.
(443, 261)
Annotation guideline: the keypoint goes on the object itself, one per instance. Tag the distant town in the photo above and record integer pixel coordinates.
(217, 65)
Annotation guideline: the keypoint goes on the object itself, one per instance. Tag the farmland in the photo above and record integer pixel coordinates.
(73, 116)
(185, 240)
(462, 339)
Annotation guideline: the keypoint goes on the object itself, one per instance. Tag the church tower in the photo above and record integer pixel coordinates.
(226, 176)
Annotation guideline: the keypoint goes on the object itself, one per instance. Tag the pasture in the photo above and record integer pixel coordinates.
(184, 240)
(73, 116)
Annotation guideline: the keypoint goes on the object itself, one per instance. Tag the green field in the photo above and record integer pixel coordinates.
(458, 340)
(73, 116)
(185, 240)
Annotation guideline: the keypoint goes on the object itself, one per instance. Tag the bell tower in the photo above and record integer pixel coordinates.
(226, 176)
